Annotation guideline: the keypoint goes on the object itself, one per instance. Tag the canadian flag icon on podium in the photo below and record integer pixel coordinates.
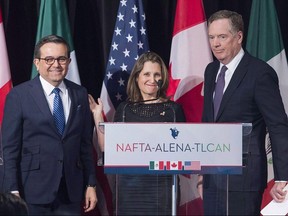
(174, 165)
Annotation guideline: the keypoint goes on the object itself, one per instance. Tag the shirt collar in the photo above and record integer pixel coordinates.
(235, 61)
(48, 88)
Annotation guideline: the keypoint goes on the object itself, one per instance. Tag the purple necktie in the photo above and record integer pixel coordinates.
(219, 90)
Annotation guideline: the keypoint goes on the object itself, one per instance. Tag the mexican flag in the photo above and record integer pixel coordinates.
(156, 165)
(53, 19)
(5, 76)
(264, 41)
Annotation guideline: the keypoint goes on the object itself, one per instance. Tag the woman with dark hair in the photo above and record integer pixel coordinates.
(146, 102)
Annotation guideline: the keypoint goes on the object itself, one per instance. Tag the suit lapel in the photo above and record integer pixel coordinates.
(235, 81)
(37, 93)
(73, 98)
(210, 91)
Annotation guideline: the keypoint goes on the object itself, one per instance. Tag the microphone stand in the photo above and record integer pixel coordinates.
(175, 176)
(124, 112)
(174, 181)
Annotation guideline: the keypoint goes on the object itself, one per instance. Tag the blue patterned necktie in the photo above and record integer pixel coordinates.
(58, 111)
(219, 90)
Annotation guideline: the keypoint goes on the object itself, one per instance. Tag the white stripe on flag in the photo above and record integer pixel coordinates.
(279, 63)
(73, 73)
(108, 107)
(4, 63)
(189, 58)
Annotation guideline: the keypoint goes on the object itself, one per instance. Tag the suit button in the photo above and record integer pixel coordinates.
(60, 161)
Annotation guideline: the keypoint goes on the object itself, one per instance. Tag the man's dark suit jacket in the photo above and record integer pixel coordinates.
(252, 96)
(35, 155)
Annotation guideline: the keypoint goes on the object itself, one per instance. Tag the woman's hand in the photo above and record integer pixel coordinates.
(96, 108)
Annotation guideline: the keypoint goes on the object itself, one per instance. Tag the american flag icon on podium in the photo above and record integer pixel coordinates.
(192, 165)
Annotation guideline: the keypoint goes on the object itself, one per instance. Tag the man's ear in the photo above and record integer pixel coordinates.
(240, 37)
(36, 63)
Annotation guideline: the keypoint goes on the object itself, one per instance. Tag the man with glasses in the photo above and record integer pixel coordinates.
(47, 137)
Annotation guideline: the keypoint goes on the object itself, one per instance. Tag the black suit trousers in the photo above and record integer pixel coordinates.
(60, 206)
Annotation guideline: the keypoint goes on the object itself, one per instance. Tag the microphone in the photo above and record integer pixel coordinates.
(159, 84)
(174, 114)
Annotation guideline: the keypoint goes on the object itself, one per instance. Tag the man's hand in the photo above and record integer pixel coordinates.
(90, 199)
(277, 192)
(16, 194)
(200, 186)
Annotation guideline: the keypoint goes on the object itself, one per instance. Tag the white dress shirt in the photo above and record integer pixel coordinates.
(48, 88)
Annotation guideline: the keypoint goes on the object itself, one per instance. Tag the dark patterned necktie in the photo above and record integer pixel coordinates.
(58, 111)
(219, 90)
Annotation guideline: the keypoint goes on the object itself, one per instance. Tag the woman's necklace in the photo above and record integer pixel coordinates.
(152, 101)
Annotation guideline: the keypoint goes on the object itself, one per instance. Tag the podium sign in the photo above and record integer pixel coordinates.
(173, 148)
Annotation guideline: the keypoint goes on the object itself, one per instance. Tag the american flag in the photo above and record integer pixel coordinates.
(192, 165)
(129, 42)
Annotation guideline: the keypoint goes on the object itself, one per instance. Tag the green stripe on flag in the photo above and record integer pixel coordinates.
(264, 38)
(53, 19)
(152, 165)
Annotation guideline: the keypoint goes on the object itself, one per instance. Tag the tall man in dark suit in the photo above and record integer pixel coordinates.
(251, 95)
(47, 145)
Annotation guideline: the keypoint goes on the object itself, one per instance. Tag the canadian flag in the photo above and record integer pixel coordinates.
(5, 76)
(190, 54)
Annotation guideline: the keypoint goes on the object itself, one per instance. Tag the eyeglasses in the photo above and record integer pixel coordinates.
(62, 60)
